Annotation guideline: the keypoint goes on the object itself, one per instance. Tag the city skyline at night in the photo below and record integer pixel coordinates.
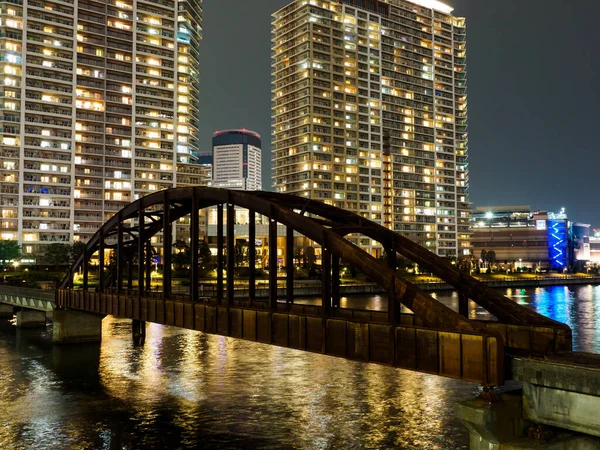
(525, 144)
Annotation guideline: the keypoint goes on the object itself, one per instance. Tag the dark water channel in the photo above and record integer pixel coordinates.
(185, 389)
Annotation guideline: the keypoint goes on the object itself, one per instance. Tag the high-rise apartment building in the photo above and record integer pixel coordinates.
(98, 107)
(237, 160)
(370, 114)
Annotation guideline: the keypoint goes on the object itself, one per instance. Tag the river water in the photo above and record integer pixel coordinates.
(184, 389)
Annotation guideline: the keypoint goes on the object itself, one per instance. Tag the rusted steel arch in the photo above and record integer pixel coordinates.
(347, 223)
(326, 226)
(433, 314)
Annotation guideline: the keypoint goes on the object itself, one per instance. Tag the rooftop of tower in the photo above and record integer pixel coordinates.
(237, 131)
(433, 4)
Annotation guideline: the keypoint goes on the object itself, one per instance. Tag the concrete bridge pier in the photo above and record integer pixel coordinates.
(6, 311)
(502, 426)
(138, 331)
(75, 327)
(29, 318)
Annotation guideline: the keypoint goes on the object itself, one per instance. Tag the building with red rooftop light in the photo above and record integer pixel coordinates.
(237, 160)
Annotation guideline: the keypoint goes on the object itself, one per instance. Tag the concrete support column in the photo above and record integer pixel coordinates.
(6, 311)
(138, 331)
(493, 424)
(74, 327)
(501, 426)
(29, 318)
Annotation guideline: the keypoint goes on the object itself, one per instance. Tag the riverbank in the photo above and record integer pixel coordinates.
(312, 288)
(517, 282)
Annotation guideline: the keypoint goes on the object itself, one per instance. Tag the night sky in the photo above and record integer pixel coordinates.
(534, 78)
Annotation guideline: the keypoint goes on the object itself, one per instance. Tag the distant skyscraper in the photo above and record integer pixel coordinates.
(237, 160)
(370, 114)
(99, 107)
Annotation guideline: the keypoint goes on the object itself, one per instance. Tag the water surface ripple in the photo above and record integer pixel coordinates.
(185, 389)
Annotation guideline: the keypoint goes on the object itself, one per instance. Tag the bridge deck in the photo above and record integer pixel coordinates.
(27, 298)
(359, 336)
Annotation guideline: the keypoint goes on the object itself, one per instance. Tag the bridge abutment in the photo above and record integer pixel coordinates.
(562, 391)
(501, 426)
(74, 327)
(6, 311)
(29, 318)
(492, 425)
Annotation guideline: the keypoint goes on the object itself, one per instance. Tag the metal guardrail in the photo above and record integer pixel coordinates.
(35, 299)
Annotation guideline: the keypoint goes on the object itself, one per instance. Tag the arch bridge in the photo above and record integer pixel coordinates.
(432, 338)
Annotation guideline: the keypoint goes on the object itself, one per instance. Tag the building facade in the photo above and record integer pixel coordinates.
(521, 236)
(237, 159)
(370, 114)
(594, 240)
(99, 102)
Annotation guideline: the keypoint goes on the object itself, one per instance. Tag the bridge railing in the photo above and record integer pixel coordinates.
(359, 335)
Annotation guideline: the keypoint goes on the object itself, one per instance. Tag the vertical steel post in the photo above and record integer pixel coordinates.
(130, 274)
(120, 258)
(148, 266)
(272, 264)
(230, 252)
(393, 306)
(194, 246)
(86, 268)
(141, 247)
(335, 281)
(391, 258)
(252, 256)
(463, 304)
(70, 285)
(167, 244)
(325, 282)
(289, 265)
(219, 254)
(101, 276)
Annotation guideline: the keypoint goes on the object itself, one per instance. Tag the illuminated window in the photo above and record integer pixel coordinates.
(12, 23)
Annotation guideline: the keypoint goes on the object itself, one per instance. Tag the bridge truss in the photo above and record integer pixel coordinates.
(433, 339)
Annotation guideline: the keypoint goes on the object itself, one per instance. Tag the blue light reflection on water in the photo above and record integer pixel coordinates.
(576, 306)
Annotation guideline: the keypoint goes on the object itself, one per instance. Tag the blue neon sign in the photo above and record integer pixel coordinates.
(557, 243)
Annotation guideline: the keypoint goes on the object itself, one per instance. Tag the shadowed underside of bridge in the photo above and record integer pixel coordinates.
(434, 339)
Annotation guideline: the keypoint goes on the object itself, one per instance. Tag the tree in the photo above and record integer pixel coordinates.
(181, 254)
(77, 250)
(491, 256)
(240, 253)
(57, 254)
(9, 251)
(205, 254)
(484, 255)
(464, 264)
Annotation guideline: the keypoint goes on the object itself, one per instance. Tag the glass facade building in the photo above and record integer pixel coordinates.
(99, 103)
(370, 114)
